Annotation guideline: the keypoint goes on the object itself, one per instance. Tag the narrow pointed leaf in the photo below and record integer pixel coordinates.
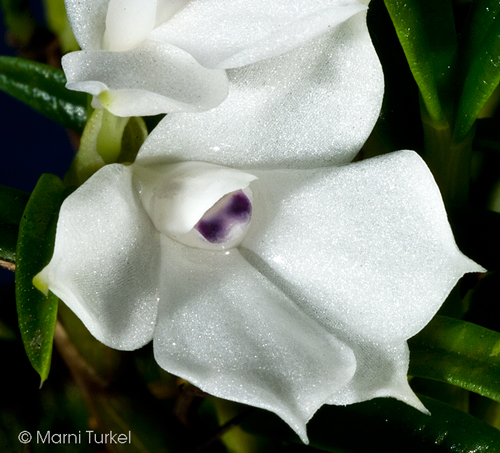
(42, 87)
(426, 31)
(460, 353)
(12, 204)
(37, 312)
(393, 129)
(480, 65)
(388, 425)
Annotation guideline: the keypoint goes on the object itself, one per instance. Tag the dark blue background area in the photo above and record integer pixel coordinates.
(30, 144)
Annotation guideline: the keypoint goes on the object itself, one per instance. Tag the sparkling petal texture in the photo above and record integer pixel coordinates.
(88, 21)
(106, 260)
(313, 106)
(231, 332)
(184, 85)
(214, 34)
(128, 23)
(373, 253)
(144, 77)
(339, 267)
(381, 371)
(165, 9)
(247, 31)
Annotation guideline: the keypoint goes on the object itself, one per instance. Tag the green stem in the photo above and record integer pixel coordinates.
(449, 161)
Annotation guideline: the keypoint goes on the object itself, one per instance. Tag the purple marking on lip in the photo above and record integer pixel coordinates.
(233, 210)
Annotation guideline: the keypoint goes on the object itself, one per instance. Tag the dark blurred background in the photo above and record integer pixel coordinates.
(30, 144)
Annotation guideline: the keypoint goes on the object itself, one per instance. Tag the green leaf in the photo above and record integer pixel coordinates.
(8, 242)
(388, 425)
(460, 353)
(12, 204)
(399, 125)
(426, 31)
(42, 87)
(37, 312)
(480, 64)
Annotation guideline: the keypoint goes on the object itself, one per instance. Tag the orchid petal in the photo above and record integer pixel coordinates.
(367, 248)
(176, 196)
(313, 106)
(106, 260)
(227, 34)
(88, 21)
(150, 79)
(381, 372)
(167, 8)
(128, 22)
(228, 330)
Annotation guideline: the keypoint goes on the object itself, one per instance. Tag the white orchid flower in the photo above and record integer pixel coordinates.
(261, 276)
(283, 289)
(144, 57)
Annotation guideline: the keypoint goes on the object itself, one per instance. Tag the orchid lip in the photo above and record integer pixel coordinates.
(224, 225)
(198, 204)
(226, 219)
